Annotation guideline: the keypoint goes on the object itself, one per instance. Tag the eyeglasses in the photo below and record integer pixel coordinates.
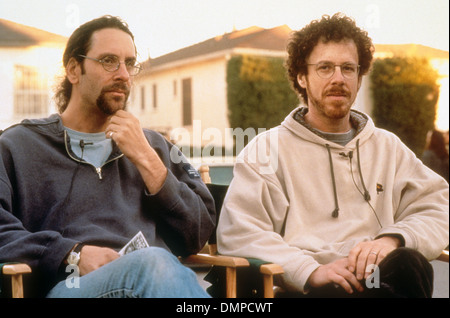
(111, 63)
(326, 69)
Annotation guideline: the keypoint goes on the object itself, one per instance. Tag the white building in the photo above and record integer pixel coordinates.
(30, 59)
(187, 88)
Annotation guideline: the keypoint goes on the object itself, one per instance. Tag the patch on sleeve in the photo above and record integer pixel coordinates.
(191, 171)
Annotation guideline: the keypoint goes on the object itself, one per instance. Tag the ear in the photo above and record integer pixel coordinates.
(301, 80)
(73, 71)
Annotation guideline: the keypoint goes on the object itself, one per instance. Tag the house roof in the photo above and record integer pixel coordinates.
(274, 39)
(13, 34)
(417, 50)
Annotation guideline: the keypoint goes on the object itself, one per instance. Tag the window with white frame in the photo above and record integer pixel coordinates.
(142, 98)
(155, 97)
(31, 96)
(187, 101)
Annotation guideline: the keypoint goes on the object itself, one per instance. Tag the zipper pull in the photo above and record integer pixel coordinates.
(99, 172)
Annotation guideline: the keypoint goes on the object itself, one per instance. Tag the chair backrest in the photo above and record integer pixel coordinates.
(218, 192)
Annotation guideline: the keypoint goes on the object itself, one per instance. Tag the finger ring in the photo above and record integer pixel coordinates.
(111, 134)
(374, 253)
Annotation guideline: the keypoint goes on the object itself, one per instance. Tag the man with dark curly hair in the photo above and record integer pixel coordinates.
(344, 207)
(90, 200)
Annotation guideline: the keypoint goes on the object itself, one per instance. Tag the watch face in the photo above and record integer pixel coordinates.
(73, 258)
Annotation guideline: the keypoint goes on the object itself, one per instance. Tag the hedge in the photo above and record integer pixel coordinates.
(259, 94)
(405, 94)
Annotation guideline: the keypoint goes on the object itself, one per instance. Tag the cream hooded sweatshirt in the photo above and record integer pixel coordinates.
(299, 200)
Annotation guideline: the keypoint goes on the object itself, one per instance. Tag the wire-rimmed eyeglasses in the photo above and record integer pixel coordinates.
(327, 69)
(111, 63)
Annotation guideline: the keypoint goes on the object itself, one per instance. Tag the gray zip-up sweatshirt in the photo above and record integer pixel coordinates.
(50, 200)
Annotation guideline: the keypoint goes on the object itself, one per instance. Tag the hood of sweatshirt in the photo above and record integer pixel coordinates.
(296, 123)
(364, 128)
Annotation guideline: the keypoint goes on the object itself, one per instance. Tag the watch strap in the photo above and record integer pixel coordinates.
(74, 255)
(78, 248)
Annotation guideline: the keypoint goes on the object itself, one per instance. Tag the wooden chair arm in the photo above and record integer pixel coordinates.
(218, 260)
(268, 271)
(444, 256)
(230, 263)
(271, 269)
(16, 271)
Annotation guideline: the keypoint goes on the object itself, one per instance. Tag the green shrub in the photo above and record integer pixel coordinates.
(259, 93)
(405, 94)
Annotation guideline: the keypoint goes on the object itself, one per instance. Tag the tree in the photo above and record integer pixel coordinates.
(405, 94)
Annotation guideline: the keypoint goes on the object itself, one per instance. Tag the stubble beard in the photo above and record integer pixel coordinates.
(112, 105)
(333, 109)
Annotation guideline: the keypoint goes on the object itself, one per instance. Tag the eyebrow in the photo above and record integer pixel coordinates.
(103, 55)
(328, 61)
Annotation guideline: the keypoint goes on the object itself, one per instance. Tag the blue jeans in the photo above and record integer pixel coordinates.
(147, 273)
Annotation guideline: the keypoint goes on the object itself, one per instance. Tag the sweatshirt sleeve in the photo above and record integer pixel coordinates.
(251, 225)
(44, 251)
(420, 198)
(187, 214)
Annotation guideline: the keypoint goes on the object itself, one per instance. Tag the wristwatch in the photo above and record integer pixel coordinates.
(74, 255)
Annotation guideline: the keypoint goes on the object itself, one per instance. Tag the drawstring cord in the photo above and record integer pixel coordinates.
(365, 194)
(335, 212)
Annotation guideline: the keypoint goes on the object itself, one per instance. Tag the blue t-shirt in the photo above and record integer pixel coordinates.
(97, 148)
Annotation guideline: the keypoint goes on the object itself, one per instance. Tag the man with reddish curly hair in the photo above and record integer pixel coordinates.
(344, 207)
(332, 29)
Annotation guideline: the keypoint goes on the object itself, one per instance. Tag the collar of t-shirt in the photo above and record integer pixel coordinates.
(97, 148)
(339, 138)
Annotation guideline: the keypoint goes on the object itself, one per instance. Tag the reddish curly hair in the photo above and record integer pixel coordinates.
(335, 28)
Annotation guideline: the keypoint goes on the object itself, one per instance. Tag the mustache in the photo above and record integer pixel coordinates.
(337, 91)
(116, 87)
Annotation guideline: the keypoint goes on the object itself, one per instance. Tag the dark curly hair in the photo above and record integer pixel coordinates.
(79, 44)
(335, 28)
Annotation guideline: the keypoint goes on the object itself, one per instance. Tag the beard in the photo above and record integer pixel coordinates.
(334, 109)
(110, 106)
